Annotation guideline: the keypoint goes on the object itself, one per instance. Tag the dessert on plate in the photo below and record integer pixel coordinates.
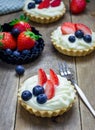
(46, 95)
(73, 39)
(44, 11)
(20, 42)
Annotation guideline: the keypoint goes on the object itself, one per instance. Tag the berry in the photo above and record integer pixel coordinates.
(54, 78)
(16, 53)
(26, 95)
(68, 28)
(71, 39)
(31, 5)
(38, 90)
(49, 89)
(42, 78)
(79, 34)
(15, 32)
(55, 3)
(38, 1)
(20, 70)
(41, 99)
(77, 6)
(87, 38)
(44, 4)
(9, 51)
(25, 52)
(83, 28)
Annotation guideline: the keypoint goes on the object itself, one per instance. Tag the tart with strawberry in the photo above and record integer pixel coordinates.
(73, 39)
(44, 11)
(20, 43)
(46, 95)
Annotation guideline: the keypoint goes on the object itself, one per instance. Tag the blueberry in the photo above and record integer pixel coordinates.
(38, 90)
(26, 95)
(79, 34)
(42, 98)
(87, 38)
(38, 1)
(25, 52)
(16, 53)
(20, 70)
(71, 38)
(31, 5)
(9, 51)
(15, 32)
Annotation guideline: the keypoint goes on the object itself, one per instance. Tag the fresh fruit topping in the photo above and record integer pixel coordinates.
(77, 6)
(26, 95)
(83, 28)
(44, 4)
(31, 5)
(38, 90)
(49, 89)
(42, 78)
(53, 77)
(72, 38)
(68, 28)
(38, 1)
(26, 52)
(41, 99)
(55, 3)
(16, 53)
(20, 69)
(87, 38)
(79, 34)
(7, 41)
(8, 51)
(26, 40)
(15, 32)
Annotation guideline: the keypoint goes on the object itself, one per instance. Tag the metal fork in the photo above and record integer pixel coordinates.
(65, 72)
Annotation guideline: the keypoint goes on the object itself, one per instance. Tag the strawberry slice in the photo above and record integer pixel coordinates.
(84, 28)
(49, 89)
(55, 3)
(44, 4)
(42, 78)
(54, 78)
(68, 28)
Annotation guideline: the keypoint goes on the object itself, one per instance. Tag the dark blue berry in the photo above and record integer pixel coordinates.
(15, 32)
(42, 98)
(72, 38)
(38, 90)
(20, 70)
(31, 5)
(38, 1)
(25, 52)
(87, 38)
(9, 51)
(16, 53)
(79, 34)
(26, 95)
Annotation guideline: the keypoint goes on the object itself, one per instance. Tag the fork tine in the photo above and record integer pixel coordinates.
(66, 68)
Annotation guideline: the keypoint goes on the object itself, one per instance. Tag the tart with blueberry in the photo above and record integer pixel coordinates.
(46, 95)
(73, 39)
(20, 43)
(44, 11)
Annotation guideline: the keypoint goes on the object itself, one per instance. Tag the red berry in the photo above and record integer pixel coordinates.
(54, 78)
(55, 3)
(44, 4)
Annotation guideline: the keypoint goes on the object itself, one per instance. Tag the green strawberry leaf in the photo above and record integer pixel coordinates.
(1, 45)
(1, 29)
(32, 35)
(1, 37)
(87, 0)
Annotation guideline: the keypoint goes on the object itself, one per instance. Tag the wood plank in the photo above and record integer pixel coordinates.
(85, 70)
(48, 59)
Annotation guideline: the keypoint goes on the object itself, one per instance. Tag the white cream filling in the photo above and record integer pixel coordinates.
(64, 94)
(79, 44)
(51, 11)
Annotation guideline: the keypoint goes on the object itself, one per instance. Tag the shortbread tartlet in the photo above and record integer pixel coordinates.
(44, 11)
(73, 39)
(46, 95)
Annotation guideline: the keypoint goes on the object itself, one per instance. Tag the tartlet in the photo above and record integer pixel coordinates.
(54, 103)
(44, 13)
(73, 39)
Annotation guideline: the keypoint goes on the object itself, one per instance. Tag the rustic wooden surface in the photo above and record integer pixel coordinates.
(14, 117)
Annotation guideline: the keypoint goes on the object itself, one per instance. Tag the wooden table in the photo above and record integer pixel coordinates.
(14, 117)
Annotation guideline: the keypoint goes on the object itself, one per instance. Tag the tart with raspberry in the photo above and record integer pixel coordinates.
(44, 11)
(20, 43)
(46, 95)
(73, 39)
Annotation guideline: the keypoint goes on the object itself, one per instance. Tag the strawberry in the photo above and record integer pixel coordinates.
(55, 3)
(26, 40)
(7, 40)
(54, 78)
(42, 78)
(44, 4)
(77, 6)
(68, 28)
(49, 89)
(84, 28)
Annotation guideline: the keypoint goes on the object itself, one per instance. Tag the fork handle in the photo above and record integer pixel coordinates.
(84, 99)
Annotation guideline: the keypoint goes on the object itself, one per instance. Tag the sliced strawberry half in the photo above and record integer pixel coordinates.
(68, 28)
(54, 78)
(84, 28)
(44, 4)
(42, 78)
(49, 89)
(55, 3)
